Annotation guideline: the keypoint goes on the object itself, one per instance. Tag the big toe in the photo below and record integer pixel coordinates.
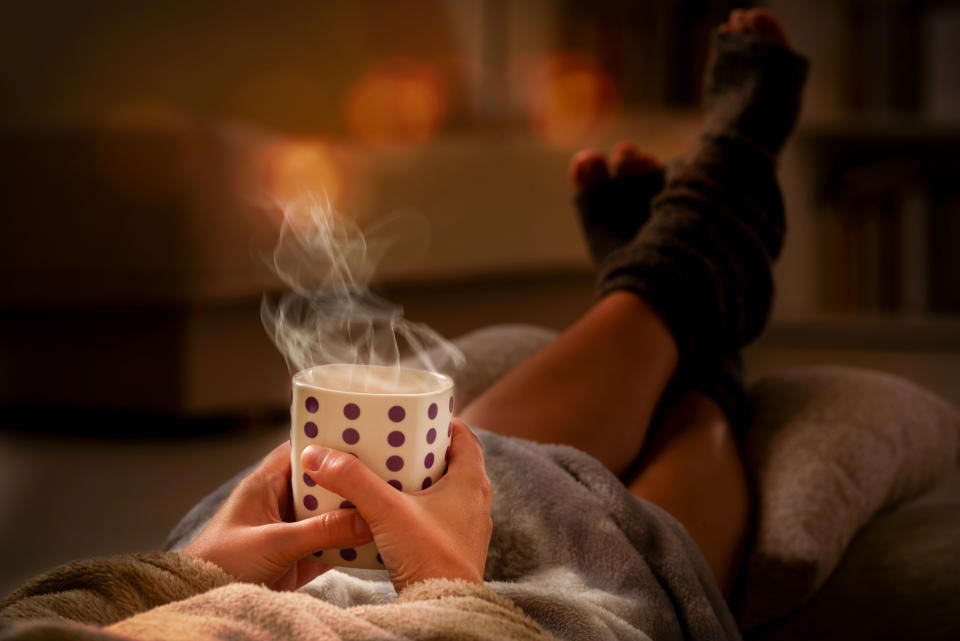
(764, 22)
(759, 22)
(628, 160)
(587, 169)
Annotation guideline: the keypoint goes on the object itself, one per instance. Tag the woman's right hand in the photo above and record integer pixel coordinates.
(440, 532)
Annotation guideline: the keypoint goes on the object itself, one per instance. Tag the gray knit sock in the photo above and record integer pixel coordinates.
(703, 259)
(753, 88)
(612, 211)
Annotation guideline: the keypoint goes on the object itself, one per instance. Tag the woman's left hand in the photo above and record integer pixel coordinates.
(251, 538)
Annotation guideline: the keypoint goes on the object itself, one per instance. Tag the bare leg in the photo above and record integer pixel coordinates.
(594, 388)
(692, 468)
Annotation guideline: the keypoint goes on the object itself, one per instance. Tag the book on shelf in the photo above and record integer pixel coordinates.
(886, 246)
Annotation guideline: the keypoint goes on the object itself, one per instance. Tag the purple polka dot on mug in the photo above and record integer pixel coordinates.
(428, 461)
(348, 554)
(427, 482)
(310, 429)
(431, 436)
(451, 403)
(312, 404)
(446, 454)
(351, 411)
(346, 505)
(397, 413)
(395, 463)
(395, 483)
(432, 411)
(310, 502)
(309, 482)
(396, 438)
(450, 428)
(350, 436)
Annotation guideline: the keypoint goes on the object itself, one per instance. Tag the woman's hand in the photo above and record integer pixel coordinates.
(250, 538)
(440, 532)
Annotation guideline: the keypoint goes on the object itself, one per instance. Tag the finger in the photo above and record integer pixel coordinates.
(346, 475)
(288, 582)
(466, 454)
(308, 569)
(336, 529)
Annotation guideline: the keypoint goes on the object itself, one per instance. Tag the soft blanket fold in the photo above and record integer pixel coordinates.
(173, 597)
(572, 549)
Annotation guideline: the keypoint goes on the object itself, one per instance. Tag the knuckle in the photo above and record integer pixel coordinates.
(338, 469)
(483, 489)
(327, 523)
(486, 490)
(335, 528)
(345, 465)
(321, 523)
(466, 430)
(247, 487)
(275, 478)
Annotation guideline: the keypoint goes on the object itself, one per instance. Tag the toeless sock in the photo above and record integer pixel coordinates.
(753, 88)
(612, 211)
(703, 260)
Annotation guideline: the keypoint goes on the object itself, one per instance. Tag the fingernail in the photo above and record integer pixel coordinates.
(360, 526)
(313, 457)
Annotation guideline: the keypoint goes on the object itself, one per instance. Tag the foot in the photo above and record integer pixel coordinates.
(703, 259)
(613, 201)
(753, 79)
(762, 23)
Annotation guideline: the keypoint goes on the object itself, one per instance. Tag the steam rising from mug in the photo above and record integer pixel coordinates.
(329, 314)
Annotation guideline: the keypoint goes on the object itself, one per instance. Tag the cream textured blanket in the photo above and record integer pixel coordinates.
(172, 597)
(571, 547)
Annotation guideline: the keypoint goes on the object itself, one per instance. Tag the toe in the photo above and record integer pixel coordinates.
(588, 168)
(628, 160)
(765, 23)
(734, 23)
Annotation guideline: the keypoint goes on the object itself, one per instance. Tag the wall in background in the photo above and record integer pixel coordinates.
(146, 138)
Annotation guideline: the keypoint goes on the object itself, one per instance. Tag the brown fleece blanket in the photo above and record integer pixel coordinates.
(169, 596)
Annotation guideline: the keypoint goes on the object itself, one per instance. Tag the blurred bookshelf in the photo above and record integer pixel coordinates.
(888, 219)
(871, 180)
(870, 275)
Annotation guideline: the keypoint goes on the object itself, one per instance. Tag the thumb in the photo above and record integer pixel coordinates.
(337, 529)
(348, 476)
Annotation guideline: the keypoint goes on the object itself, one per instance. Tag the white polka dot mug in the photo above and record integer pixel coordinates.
(396, 420)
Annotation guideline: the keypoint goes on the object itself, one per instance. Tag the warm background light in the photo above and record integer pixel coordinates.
(568, 97)
(293, 169)
(397, 103)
